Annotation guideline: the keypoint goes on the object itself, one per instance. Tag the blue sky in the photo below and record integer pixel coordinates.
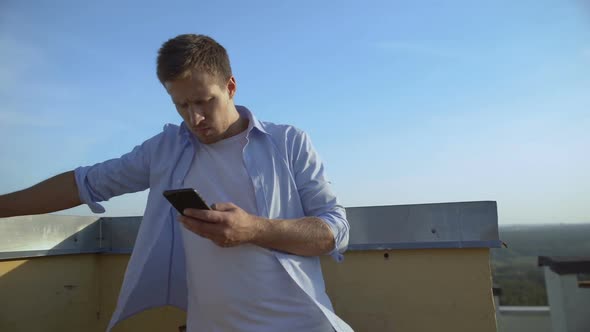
(407, 102)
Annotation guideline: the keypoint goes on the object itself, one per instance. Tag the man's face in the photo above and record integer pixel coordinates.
(205, 104)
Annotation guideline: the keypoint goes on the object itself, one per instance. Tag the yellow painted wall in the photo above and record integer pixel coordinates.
(411, 290)
(71, 293)
(49, 294)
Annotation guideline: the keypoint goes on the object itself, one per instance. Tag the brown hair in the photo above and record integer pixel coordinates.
(183, 53)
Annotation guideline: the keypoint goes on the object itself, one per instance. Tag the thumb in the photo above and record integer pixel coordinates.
(223, 206)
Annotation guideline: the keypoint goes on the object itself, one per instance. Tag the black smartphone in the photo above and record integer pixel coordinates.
(186, 198)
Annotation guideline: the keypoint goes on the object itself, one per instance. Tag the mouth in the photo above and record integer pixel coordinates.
(202, 130)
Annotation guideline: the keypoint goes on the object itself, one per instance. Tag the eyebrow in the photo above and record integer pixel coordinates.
(192, 100)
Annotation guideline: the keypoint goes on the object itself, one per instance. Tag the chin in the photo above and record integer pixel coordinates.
(207, 139)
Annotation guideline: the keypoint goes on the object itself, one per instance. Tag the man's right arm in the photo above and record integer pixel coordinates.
(86, 185)
(54, 194)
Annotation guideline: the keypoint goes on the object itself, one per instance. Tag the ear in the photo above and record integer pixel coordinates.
(232, 87)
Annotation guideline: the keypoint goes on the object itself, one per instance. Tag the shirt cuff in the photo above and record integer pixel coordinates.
(84, 192)
(336, 253)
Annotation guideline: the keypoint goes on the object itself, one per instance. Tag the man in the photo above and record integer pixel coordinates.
(249, 264)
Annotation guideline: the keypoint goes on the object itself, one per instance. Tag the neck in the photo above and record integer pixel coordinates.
(239, 123)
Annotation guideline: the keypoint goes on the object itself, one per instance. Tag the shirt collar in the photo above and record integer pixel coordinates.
(253, 123)
(252, 120)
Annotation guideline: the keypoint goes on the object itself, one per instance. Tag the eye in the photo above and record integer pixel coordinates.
(204, 101)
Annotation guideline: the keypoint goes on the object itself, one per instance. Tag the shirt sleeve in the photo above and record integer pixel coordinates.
(127, 174)
(316, 194)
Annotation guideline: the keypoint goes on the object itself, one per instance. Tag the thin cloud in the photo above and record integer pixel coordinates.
(18, 59)
(422, 49)
(28, 119)
(31, 97)
(22, 64)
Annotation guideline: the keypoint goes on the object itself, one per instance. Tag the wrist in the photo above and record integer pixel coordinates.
(263, 228)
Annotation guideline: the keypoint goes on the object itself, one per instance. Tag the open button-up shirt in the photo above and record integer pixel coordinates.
(289, 182)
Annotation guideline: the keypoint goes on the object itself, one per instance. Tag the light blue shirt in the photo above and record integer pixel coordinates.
(289, 182)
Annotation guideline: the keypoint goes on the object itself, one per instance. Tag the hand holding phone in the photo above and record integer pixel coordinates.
(186, 198)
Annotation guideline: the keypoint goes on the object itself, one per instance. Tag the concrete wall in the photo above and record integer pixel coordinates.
(570, 304)
(410, 290)
(524, 319)
(414, 290)
(58, 293)
(71, 293)
(62, 273)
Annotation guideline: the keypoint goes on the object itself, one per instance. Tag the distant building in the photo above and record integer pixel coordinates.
(568, 292)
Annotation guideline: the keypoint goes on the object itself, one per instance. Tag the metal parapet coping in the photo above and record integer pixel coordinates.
(394, 227)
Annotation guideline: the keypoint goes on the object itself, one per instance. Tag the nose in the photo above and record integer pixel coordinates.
(195, 115)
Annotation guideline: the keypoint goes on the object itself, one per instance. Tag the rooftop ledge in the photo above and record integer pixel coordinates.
(416, 226)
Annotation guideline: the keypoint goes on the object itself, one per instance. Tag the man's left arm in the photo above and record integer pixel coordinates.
(228, 225)
(307, 236)
(319, 202)
(324, 230)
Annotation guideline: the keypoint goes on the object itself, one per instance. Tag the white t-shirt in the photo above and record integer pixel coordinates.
(243, 288)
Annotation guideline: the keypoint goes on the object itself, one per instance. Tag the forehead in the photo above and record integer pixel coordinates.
(194, 85)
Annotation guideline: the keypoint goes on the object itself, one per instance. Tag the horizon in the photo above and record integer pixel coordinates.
(406, 103)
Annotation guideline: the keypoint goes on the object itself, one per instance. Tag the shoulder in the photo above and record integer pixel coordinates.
(169, 136)
(291, 141)
(171, 129)
(173, 133)
(283, 132)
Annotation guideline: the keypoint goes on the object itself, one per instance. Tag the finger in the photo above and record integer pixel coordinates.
(223, 206)
(224, 243)
(194, 213)
(190, 225)
(204, 215)
(203, 228)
